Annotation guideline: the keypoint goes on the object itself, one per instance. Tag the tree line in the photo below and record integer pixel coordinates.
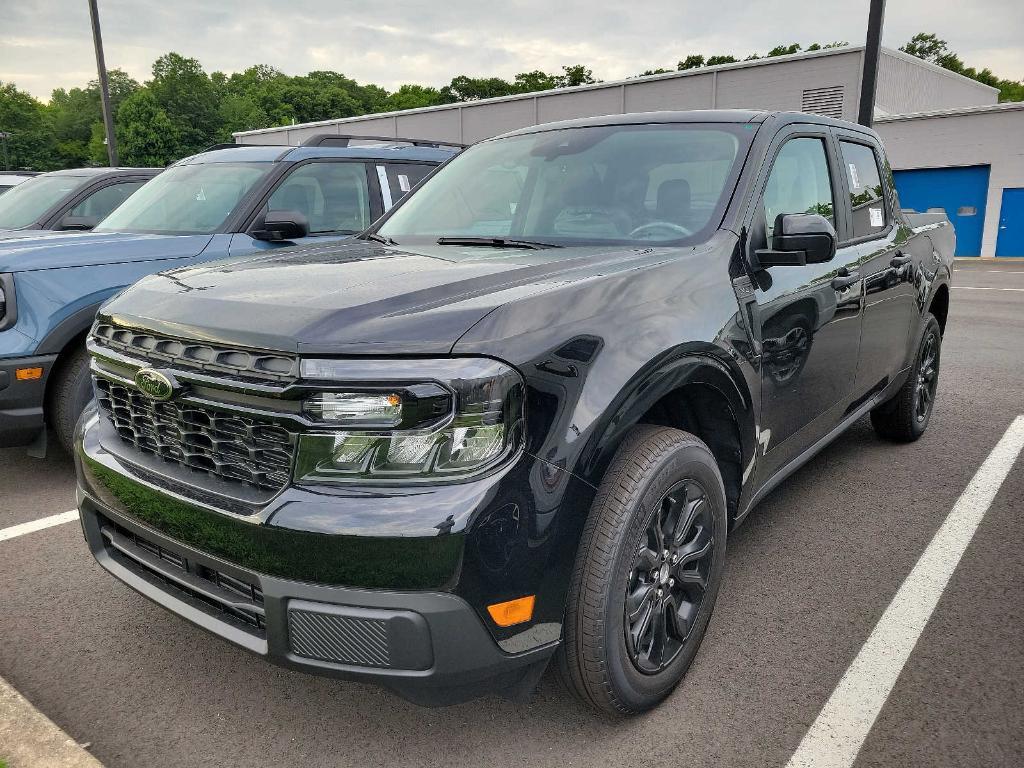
(182, 109)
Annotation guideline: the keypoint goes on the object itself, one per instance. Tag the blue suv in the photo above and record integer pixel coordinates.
(232, 200)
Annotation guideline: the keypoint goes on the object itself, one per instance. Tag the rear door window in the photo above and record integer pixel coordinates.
(404, 176)
(334, 197)
(864, 180)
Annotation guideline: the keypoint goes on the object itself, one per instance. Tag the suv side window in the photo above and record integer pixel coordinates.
(799, 182)
(865, 184)
(101, 202)
(334, 197)
(404, 176)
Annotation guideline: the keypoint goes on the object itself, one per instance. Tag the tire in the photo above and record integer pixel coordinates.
(604, 658)
(70, 392)
(905, 416)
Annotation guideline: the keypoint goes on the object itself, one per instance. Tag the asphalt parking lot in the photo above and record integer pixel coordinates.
(807, 579)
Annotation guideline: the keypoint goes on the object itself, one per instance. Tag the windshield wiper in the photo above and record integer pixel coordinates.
(496, 242)
(380, 239)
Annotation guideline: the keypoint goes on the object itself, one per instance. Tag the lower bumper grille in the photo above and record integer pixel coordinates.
(341, 639)
(224, 596)
(232, 447)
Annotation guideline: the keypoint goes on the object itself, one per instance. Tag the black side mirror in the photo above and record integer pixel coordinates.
(77, 223)
(798, 239)
(281, 225)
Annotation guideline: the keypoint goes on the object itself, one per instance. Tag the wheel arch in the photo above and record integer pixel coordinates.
(697, 392)
(939, 305)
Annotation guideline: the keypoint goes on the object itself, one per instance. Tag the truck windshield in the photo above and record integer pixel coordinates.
(186, 199)
(26, 203)
(620, 184)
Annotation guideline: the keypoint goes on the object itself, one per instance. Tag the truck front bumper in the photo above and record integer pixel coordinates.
(429, 646)
(21, 401)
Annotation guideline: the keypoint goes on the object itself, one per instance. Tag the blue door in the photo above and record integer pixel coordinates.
(961, 192)
(1011, 224)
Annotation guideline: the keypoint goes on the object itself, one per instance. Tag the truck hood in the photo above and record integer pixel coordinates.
(357, 298)
(84, 249)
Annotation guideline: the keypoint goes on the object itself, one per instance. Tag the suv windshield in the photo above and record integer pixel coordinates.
(26, 203)
(623, 184)
(186, 199)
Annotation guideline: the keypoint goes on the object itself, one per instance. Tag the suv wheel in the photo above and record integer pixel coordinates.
(905, 417)
(647, 572)
(70, 392)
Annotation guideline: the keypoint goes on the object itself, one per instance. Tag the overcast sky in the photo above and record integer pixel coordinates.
(45, 44)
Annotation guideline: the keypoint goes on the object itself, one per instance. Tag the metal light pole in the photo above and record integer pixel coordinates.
(108, 116)
(869, 76)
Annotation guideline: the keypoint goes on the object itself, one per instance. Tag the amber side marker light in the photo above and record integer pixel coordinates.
(512, 612)
(28, 374)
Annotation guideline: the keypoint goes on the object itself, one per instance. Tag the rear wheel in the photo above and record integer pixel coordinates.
(70, 392)
(905, 417)
(647, 572)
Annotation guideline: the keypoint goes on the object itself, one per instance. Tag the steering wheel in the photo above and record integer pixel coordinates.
(652, 227)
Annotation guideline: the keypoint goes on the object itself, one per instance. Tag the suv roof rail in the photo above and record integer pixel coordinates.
(345, 140)
(228, 145)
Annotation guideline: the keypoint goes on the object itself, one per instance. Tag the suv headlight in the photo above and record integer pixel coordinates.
(408, 420)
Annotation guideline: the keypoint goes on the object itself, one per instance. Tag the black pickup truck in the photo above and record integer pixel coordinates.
(515, 421)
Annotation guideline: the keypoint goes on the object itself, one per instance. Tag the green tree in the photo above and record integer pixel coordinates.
(537, 80)
(928, 46)
(692, 61)
(188, 97)
(413, 97)
(726, 59)
(784, 50)
(147, 136)
(31, 144)
(576, 74)
(465, 88)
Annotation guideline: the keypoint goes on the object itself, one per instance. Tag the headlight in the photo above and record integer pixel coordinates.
(407, 420)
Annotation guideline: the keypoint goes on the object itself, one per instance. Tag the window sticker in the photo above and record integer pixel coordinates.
(854, 176)
(875, 215)
(403, 182)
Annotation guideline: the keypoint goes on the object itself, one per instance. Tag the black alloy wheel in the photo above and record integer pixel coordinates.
(927, 377)
(669, 577)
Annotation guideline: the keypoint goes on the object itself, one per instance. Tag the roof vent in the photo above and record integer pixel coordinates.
(823, 101)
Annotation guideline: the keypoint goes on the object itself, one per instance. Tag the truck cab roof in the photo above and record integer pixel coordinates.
(279, 153)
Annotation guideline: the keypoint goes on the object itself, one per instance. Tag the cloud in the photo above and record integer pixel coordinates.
(47, 44)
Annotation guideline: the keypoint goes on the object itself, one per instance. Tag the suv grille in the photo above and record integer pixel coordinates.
(229, 446)
(165, 351)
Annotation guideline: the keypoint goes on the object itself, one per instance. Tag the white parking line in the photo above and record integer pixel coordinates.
(977, 288)
(37, 525)
(838, 733)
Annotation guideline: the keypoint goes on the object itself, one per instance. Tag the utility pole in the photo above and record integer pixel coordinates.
(108, 116)
(869, 76)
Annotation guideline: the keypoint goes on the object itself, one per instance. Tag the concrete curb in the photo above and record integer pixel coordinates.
(29, 739)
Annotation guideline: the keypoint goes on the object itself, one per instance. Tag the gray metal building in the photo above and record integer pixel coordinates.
(952, 146)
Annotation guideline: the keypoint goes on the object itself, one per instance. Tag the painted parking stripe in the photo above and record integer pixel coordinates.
(839, 731)
(37, 525)
(976, 288)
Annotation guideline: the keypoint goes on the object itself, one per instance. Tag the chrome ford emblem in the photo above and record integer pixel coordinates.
(154, 384)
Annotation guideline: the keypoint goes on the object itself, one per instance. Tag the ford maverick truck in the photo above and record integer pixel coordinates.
(514, 422)
(228, 201)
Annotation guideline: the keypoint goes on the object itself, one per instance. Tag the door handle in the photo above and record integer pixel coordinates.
(899, 260)
(844, 280)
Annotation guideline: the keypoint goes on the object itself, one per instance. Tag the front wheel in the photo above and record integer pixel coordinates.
(70, 392)
(905, 417)
(647, 572)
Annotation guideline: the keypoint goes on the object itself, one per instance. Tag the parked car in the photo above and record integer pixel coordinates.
(229, 201)
(67, 200)
(11, 179)
(513, 423)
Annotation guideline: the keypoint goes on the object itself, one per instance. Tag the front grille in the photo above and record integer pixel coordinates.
(341, 639)
(164, 351)
(235, 600)
(226, 445)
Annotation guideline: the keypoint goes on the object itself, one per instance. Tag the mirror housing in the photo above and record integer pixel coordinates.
(77, 223)
(798, 239)
(274, 226)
